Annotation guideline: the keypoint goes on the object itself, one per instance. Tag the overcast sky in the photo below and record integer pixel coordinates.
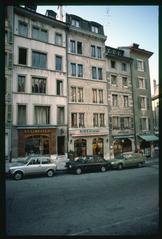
(123, 25)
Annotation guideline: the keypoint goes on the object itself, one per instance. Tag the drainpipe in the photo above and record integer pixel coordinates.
(67, 73)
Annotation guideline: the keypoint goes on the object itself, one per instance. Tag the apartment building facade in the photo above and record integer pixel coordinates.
(120, 102)
(87, 88)
(67, 92)
(143, 117)
(8, 79)
(39, 122)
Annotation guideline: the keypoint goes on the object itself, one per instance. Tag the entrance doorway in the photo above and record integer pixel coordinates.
(61, 145)
(80, 147)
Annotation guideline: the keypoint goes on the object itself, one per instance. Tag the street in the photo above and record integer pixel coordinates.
(115, 202)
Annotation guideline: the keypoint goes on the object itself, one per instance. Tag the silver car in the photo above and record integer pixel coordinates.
(33, 165)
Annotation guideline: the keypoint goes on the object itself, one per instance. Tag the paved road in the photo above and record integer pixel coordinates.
(111, 203)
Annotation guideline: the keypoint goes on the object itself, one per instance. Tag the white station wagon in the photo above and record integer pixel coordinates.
(31, 166)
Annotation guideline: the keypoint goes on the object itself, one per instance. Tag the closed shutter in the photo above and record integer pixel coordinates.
(10, 60)
(146, 83)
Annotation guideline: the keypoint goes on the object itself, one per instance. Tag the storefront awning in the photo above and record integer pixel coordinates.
(149, 138)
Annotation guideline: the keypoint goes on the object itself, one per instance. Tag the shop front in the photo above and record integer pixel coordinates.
(36, 141)
(122, 144)
(89, 143)
(147, 144)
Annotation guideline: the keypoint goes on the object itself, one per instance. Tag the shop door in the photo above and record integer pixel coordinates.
(61, 145)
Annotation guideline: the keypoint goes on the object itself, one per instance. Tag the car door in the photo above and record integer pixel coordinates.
(45, 164)
(33, 167)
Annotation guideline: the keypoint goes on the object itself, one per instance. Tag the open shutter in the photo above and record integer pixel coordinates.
(139, 102)
(110, 123)
(146, 83)
(137, 82)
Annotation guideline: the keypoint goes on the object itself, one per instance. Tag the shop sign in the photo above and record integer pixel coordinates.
(36, 131)
(87, 131)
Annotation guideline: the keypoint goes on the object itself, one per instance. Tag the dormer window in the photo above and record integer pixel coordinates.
(75, 23)
(94, 29)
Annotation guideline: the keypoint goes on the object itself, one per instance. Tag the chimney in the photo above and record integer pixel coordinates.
(59, 13)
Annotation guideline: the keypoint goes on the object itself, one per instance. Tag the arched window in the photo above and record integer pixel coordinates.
(98, 146)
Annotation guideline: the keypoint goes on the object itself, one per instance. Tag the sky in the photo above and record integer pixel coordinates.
(123, 26)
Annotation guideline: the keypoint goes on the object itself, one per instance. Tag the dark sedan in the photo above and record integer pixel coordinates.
(87, 164)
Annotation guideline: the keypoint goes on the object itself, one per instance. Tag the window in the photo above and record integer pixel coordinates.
(23, 29)
(39, 59)
(21, 115)
(74, 120)
(95, 120)
(73, 94)
(60, 115)
(94, 72)
(124, 81)
(79, 47)
(72, 46)
(124, 67)
(42, 115)
(73, 69)
(93, 51)
(80, 70)
(144, 124)
(58, 63)
(113, 79)
(80, 94)
(94, 29)
(58, 39)
(21, 83)
(38, 85)
(102, 120)
(124, 123)
(75, 23)
(81, 120)
(143, 102)
(100, 96)
(115, 122)
(114, 100)
(98, 52)
(100, 73)
(94, 95)
(59, 87)
(140, 65)
(39, 34)
(125, 98)
(141, 83)
(113, 64)
(22, 56)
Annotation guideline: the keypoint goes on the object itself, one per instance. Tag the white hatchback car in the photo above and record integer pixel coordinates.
(31, 166)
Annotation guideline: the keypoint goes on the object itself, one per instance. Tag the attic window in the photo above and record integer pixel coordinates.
(75, 23)
(94, 29)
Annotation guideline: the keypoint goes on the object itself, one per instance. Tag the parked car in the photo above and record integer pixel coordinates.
(87, 164)
(33, 165)
(125, 161)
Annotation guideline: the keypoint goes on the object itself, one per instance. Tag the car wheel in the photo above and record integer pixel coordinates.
(78, 171)
(103, 169)
(50, 173)
(120, 166)
(18, 175)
